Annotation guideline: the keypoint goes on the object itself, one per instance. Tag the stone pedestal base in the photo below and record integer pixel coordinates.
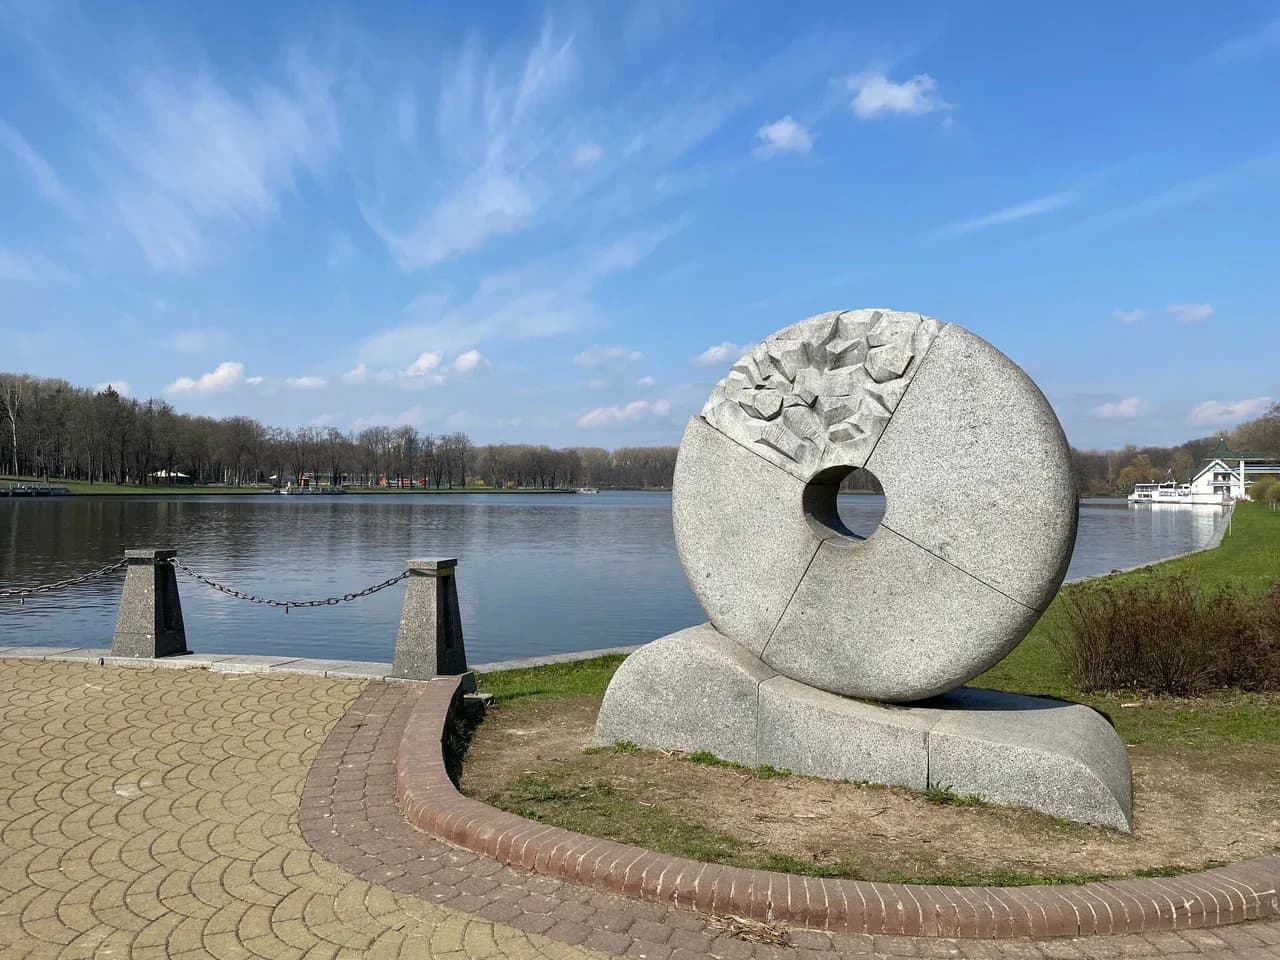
(698, 690)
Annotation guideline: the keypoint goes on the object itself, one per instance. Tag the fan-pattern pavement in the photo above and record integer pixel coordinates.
(155, 814)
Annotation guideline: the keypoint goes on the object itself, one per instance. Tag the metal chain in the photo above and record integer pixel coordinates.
(20, 593)
(327, 602)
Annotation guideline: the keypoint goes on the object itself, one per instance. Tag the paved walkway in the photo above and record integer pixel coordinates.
(155, 814)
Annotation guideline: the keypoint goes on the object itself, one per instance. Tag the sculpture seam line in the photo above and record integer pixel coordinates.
(787, 606)
(956, 566)
(905, 390)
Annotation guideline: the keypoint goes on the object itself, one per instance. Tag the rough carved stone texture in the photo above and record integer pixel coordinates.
(820, 392)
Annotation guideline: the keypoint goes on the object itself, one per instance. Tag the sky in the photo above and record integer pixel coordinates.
(561, 223)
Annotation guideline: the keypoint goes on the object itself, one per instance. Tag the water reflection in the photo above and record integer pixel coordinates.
(537, 573)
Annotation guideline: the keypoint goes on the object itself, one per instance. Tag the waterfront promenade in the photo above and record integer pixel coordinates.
(154, 813)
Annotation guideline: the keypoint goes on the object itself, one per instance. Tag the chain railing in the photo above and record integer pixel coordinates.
(21, 593)
(253, 598)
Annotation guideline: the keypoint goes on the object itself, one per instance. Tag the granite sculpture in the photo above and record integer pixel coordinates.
(817, 637)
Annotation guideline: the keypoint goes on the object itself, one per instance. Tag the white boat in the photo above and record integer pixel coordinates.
(1176, 493)
(586, 490)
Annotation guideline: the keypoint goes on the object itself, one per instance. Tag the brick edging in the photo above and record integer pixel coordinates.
(428, 799)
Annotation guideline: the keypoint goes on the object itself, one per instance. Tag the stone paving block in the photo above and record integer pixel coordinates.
(248, 663)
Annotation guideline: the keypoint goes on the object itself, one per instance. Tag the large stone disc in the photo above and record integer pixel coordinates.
(979, 524)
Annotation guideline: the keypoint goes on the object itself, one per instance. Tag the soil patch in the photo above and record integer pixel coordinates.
(1194, 807)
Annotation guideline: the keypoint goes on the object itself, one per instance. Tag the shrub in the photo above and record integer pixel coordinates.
(1167, 637)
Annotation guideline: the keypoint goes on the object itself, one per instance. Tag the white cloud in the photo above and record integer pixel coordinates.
(469, 361)
(30, 268)
(46, 179)
(254, 381)
(1129, 316)
(1020, 211)
(357, 374)
(1249, 45)
(1125, 409)
(426, 363)
(194, 155)
(645, 383)
(587, 155)
(1228, 411)
(876, 95)
(223, 377)
(602, 356)
(306, 383)
(119, 386)
(720, 353)
(196, 340)
(783, 136)
(597, 383)
(634, 410)
(1189, 312)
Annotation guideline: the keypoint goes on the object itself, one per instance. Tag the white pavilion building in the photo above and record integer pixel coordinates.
(1227, 474)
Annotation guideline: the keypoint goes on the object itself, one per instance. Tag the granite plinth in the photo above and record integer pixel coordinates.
(696, 690)
(429, 642)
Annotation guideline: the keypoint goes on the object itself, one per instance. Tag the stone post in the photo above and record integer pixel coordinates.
(429, 643)
(150, 621)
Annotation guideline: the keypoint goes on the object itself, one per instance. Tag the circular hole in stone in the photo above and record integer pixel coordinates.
(845, 500)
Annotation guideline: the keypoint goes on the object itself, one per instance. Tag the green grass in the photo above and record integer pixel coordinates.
(1249, 559)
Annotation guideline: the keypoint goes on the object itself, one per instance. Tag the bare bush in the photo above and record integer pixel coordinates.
(1167, 637)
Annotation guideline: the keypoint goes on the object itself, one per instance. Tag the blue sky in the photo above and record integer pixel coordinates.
(557, 223)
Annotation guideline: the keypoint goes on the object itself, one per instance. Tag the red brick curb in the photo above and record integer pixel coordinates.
(428, 799)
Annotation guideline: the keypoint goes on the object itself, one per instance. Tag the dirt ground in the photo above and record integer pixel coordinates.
(1193, 808)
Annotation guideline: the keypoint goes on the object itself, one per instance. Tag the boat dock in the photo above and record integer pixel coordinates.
(28, 490)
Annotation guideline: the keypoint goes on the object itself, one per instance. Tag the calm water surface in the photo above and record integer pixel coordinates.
(537, 573)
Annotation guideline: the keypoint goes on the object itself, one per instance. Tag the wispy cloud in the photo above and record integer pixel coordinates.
(47, 182)
(306, 383)
(1125, 409)
(587, 155)
(1228, 411)
(30, 268)
(1019, 211)
(121, 387)
(223, 377)
(192, 156)
(644, 383)
(1246, 46)
(469, 361)
(875, 95)
(196, 340)
(601, 356)
(635, 410)
(1189, 312)
(721, 353)
(1129, 316)
(783, 136)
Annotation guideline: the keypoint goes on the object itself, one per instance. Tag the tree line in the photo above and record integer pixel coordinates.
(52, 429)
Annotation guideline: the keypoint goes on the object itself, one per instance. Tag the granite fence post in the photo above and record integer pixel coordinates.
(429, 642)
(150, 620)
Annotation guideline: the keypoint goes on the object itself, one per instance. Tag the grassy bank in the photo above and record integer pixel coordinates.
(1197, 803)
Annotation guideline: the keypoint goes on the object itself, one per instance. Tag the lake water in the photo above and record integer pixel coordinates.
(537, 573)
